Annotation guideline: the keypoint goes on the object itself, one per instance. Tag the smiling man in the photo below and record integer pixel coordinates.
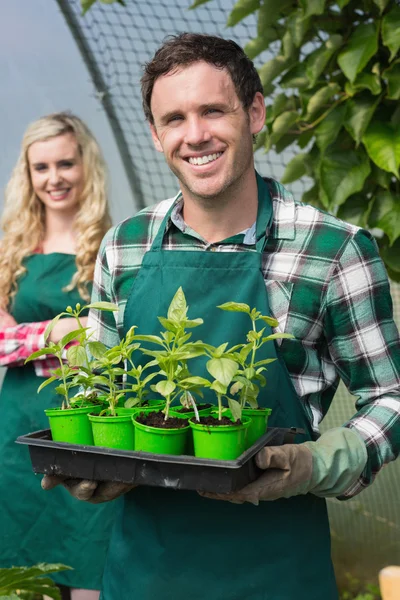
(229, 236)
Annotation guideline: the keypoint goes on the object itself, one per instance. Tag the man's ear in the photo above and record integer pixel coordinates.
(156, 141)
(257, 113)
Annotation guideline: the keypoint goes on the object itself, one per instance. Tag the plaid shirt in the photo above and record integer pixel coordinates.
(17, 343)
(326, 285)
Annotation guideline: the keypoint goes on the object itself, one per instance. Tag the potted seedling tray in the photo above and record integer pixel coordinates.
(143, 468)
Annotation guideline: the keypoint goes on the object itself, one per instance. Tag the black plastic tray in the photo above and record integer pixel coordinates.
(143, 468)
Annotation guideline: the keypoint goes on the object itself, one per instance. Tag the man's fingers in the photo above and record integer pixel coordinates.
(276, 457)
(107, 491)
(51, 481)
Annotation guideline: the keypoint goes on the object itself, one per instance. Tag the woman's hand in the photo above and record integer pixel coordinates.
(6, 320)
(65, 326)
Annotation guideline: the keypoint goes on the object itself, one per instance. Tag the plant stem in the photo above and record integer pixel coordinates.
(64, 381)
(219, 406)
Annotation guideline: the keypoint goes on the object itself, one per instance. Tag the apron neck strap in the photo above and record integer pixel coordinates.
(264, 218)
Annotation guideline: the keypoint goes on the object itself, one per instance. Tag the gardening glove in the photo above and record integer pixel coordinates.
(95, 492)
(326, 468)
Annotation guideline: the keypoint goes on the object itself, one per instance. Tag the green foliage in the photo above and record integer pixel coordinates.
(336, 78)
(87, 4)
(17, 582)
(357, 590)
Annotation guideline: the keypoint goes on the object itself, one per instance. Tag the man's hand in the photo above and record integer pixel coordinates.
(327, 468)
(94, 492)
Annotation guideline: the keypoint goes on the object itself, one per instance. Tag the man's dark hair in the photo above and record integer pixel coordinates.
(186, 48)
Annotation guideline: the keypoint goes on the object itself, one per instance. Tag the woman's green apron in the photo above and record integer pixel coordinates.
(38, 526)
(176, 545)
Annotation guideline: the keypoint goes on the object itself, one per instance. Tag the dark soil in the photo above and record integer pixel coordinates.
(215, 421)
(184, 410)
(157, 419)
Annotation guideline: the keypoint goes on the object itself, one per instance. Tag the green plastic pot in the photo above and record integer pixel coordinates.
(71, 424)
(224, 442)
(159, 441)
(113, 431)
(259, 422)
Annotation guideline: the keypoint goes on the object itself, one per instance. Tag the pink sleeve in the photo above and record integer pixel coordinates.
(17, 343)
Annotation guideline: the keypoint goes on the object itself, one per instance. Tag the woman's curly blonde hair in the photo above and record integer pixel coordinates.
(23, 217)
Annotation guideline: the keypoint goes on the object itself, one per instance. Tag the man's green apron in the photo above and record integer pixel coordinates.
(176, 545)
(38, 526)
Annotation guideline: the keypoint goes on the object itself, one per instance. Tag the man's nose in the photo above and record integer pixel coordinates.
(197, 132)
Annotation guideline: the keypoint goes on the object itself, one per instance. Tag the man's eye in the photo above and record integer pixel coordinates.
(212, 110)
(175, 118)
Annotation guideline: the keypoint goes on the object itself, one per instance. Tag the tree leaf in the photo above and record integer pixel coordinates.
(391, 256)
(107, 306)
(382, 141)
(342, 3)
(298, 26)
(269, 13)
(97, 349)
(364, 81)
(312, 7)
(354, 209)
(86, 4)
(235, 409)
(281, 125)
(381, 4)
(222, 369)
(390, 222)
(327, 131)
(295, 77)
(393, 81)
(270, 70)
(359, 114)
(165, 387)
(319, 100)
(362, 46)
(46, 383)
(235, 307)
(76, 356)
(317, 60)
(295, 169)
(241, 9)
(391, 31)
(257, 45)
(342, 174)
(178, 308)
(197, 3)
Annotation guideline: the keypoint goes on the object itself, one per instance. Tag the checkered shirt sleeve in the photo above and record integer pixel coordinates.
(19, 342)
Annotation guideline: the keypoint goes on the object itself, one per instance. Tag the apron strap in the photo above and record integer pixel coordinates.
(264, 218)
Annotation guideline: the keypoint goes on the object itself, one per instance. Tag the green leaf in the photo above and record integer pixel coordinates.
(270, 70)
(393, 81)
(235, 408)
(165, 387)
(342, 3)
(295, 169)
(278, 106)
(278, 336)
(298, 26)
(364, 81)
(390, 222)
(190, 323)
(281, 125)
(76, 356)
(391, 256)
(319, 58)
(178, 308)
(354, 210)
(198, 3)
(269, 13)
(235, 307)
(107, 306)
(195, 380)
(46, 383)
(382, 142)
(312, 7)
(359, 114)
(71, 336)
(222, 369)
(241, 9)
(51, 325)
(391, 31)
(270, 321)
(218, 387)
(320, 99)
(97, 349)
(257, 45)
(295, 77)
(86, 4)
(327, 131)
(39, 353)
(361, 47)
(342, 174)
(155, 339)
(381, 4)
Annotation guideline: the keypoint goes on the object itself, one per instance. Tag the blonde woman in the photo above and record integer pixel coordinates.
(55, 216)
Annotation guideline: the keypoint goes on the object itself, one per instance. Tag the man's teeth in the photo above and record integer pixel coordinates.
(203, 160)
